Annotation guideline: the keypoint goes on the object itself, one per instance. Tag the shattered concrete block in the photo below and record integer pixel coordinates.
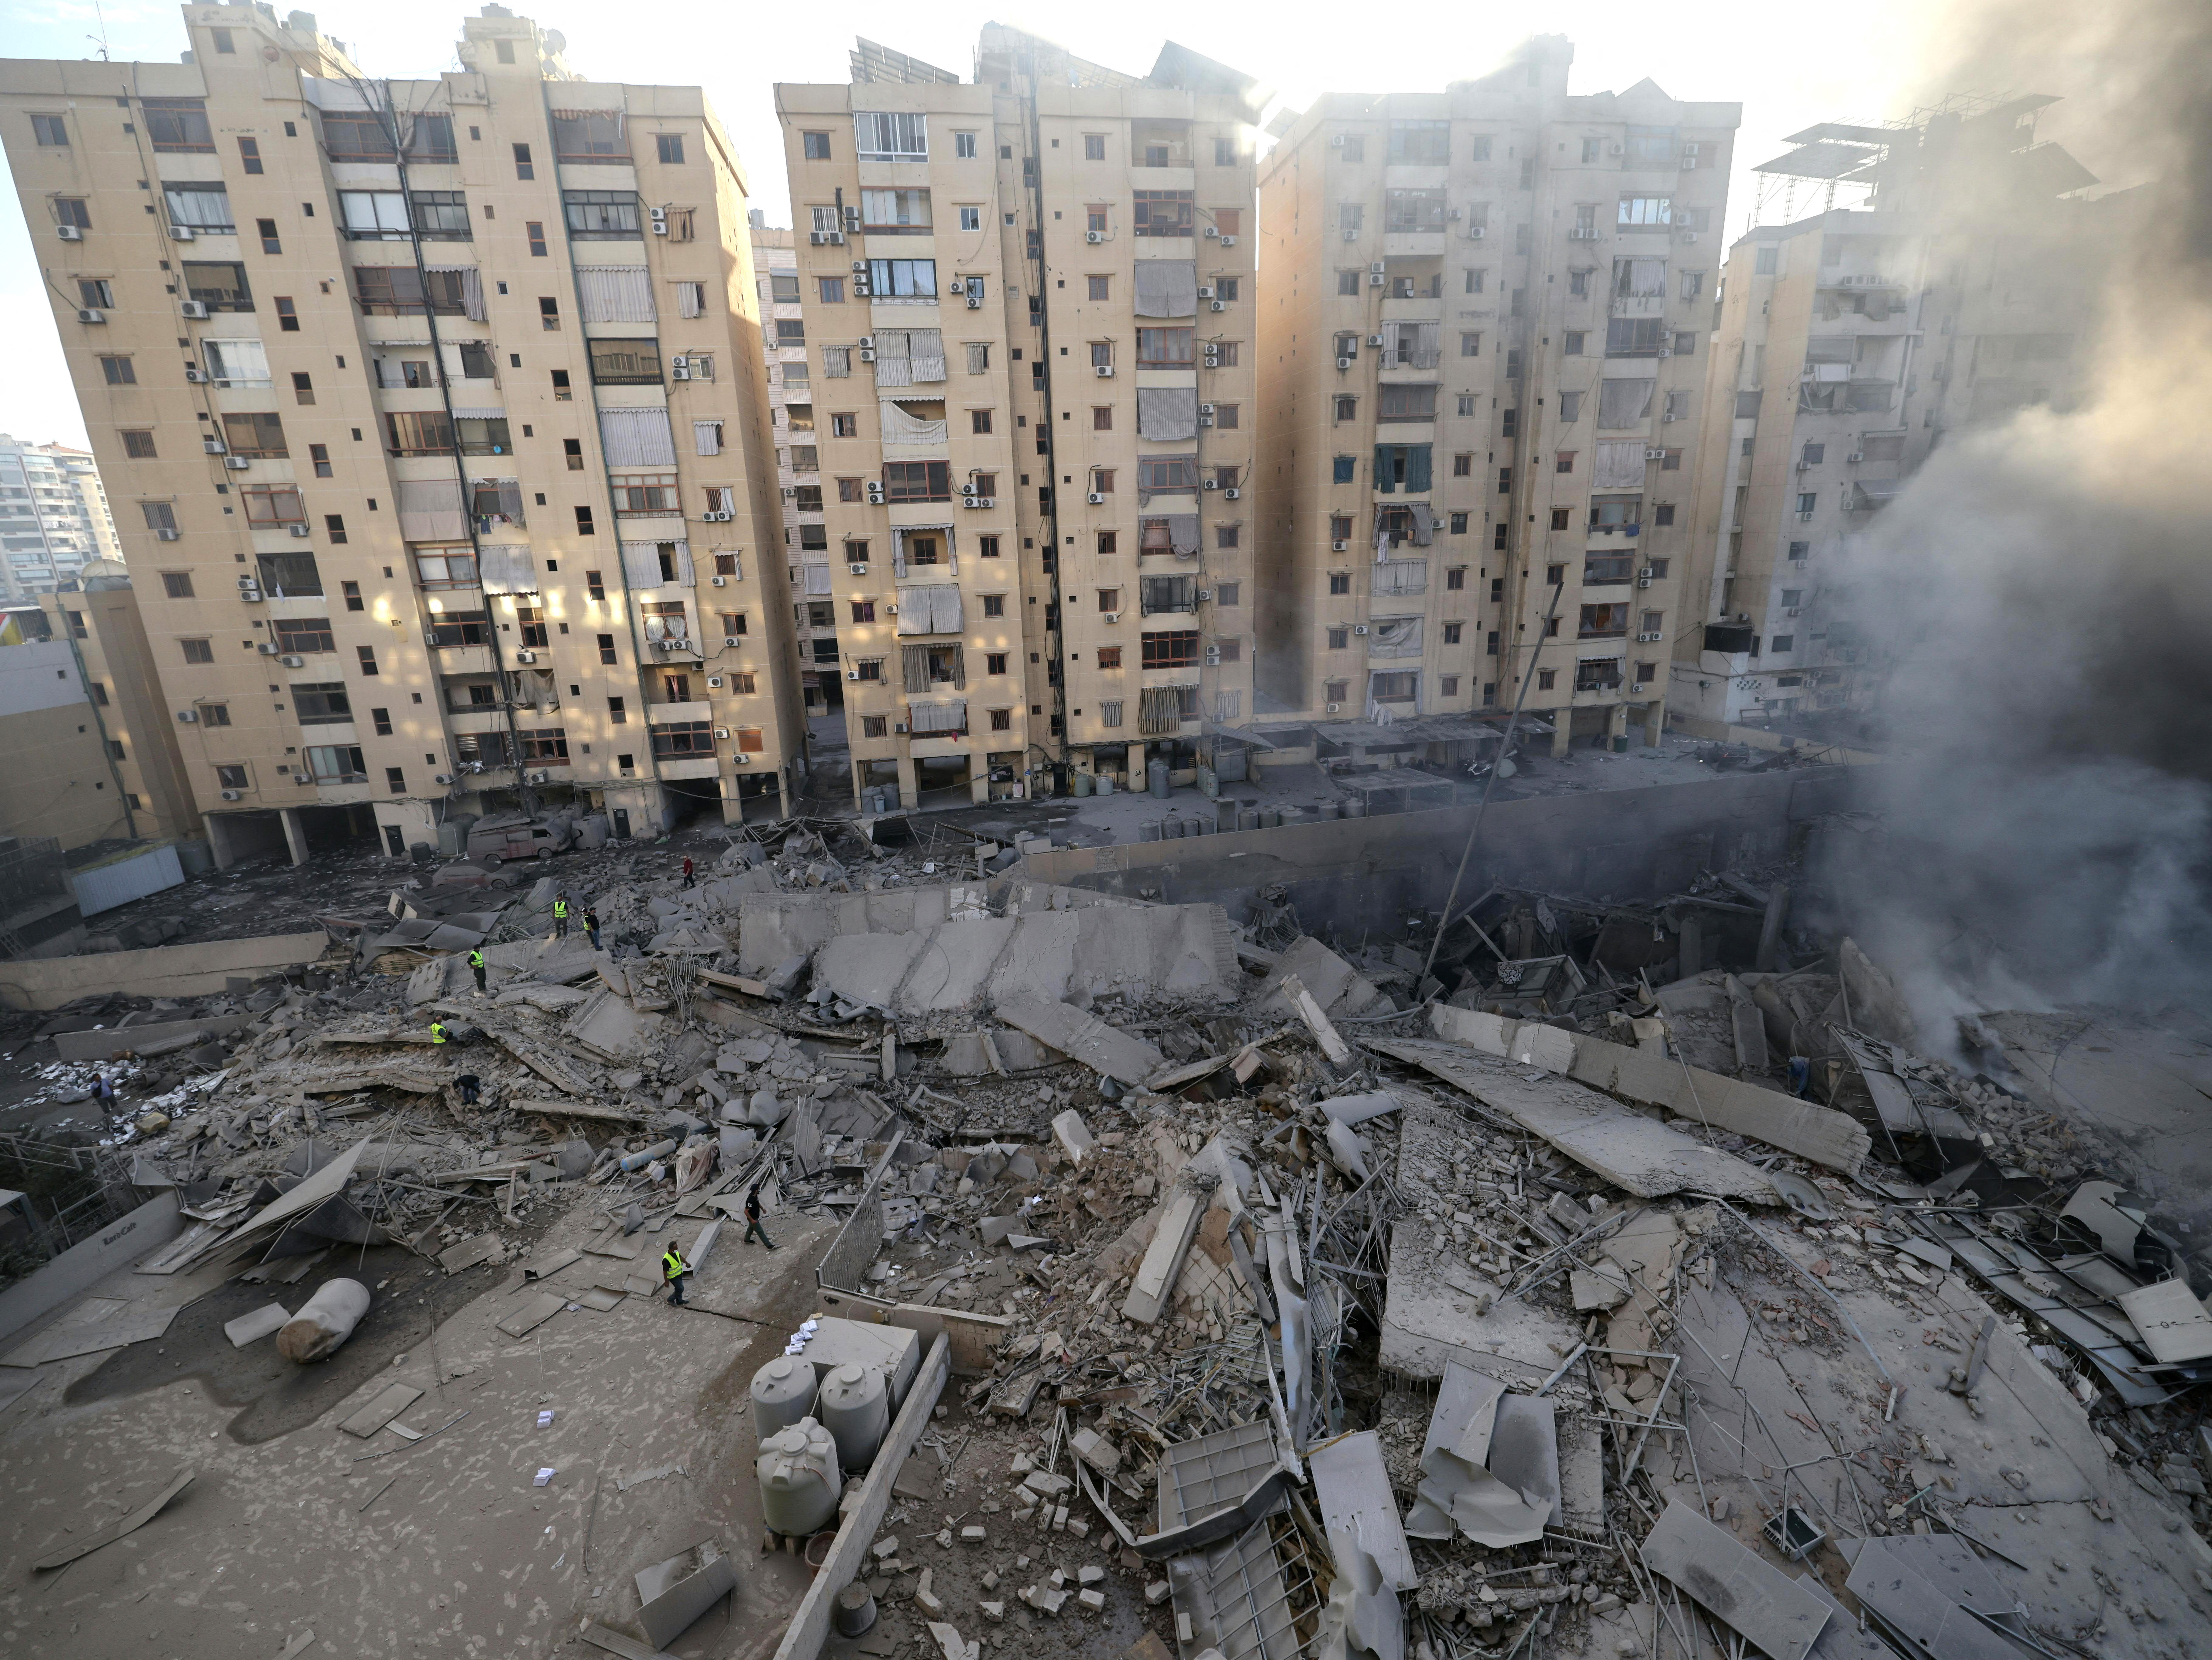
(1096, 1450)
(1090, 1574)
(994, 1612)
(1156, 1593)
(886, 1548)
(1073, 1136)
(1044, 1599)
(972, 1535)
(1093, 1600)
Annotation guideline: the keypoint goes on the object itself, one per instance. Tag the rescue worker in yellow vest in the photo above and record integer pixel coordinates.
(437, 1031)
(673, 1268)
(476, 967)
(560, 918)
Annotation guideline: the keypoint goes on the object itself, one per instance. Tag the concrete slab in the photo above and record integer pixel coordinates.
(1154, 1279)
(1338, 987)
(1083, 1037)
(1734, 1585)
(867, 968)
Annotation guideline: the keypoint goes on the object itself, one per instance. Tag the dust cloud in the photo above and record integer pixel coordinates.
(2038, 600)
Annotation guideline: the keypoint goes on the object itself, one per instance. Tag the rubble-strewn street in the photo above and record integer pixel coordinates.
(1613, 1281)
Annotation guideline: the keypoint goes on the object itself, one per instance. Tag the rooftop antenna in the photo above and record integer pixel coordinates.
(100, 38)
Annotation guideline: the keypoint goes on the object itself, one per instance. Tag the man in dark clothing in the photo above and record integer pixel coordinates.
(673, 1268)
(591, 926)
(468, 1083)
(753, 1219)
(688, 876)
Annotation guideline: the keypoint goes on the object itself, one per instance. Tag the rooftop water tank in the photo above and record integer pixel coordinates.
(783, 1393)
(799, 1485)
(856, 1408)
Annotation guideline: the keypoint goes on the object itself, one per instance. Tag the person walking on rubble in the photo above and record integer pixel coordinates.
(591, 926)
(690, 876)
(753, 1219)
(561, 917)
(673, 1268)
(469, 1085)
(476, 967)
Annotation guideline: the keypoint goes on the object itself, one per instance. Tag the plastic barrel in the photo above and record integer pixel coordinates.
(1356, 807)
(1105, 783)
(783, 1393)
(1248, 818)
(1156, 772)
(1079, 783)
(1328, 810)
(1149, 831)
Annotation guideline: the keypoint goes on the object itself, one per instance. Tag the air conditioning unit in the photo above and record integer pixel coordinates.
(165, 534)
(1213, 657)
(1806, 517)
(853, 221)
(1206, 290)
(987, 501)
(1655, 455)
(1217, 305)
(1620, 150)
(1094, 236)
(1476, 233)
(1232, 493)
(1646, 574)
(1856, 455)
(1648, 637)
(866, 354)
(1343, 362)
(291, 662)
(1211, 356)
(266, 648)
(875, 494)
(1689, 236)
(1793, 610)
(729, 638)
(525, 657)
(232, 795)
(188, 716)
(1377, 268)
(1109, 616)
(1375, 279)
(89, 314)
(1336, 141)
(720, 732)
(197, 376)
(858, 568)
(1359, 628)
(1096, 499)
(852, 674)
(1670, 417)
(1583, 234)
(442, 778)
(182, 233)
(974, 302)
(69, 233)
(236, 463)
(898, 726)
(1340, 547)
(212, 446)
(718, 515)
(679, 371)
(817, 238)
(1352, 236)
(194, 309)
(1333, 708)
(1205, 594)
(1204, 420)
(1105, 371)
(867, 342)
(659, 216)
(715, 681)
(249, 582)
(1452, 213)
(1228, 241)
(1375, 342)
(1210, 484)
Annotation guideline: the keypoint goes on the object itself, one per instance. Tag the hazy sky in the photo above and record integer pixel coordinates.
(1789, 66)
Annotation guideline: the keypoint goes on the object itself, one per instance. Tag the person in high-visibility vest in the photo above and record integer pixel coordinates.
(476, 966)
(437, 1031)
(560, 918)
(673, 1267)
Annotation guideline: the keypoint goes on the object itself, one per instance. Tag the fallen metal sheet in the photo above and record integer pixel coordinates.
(1457, 1490)
(117, 1330)
(1334, 984)
(1084, 1038)
(1625, 1148)
(1236, 1600)
(1768, 1608)
(1928, 1617)
(1348, 1110)
(2173, 1323)
(1213, 1487)
(615, 1642)
(263, 1322)
(1843, 1637)
(115, 1531)
(673, 1594)
(389, 1403)
(1524, 1451)
(545, 1268)
(533, 1314)
(468, 1252)
(1901, 1114)
(599, 1299)
(1356, 1502)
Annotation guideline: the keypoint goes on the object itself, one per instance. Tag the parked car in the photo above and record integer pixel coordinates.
(495, 841)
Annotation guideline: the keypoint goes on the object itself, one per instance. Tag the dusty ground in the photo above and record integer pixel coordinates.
(387, 1548)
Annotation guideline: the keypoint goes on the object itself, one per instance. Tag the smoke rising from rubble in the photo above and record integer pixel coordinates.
(2041, 593)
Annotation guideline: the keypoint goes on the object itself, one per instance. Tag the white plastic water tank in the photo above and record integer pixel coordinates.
(856, 1408)
(799, 1485)
(783, 1393)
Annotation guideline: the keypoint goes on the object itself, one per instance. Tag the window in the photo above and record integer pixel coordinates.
(118, 372)
(138, 446)
(1459, 524)
(1173, 648)
(625, 363)
(895, 212)
(917, 481)
(232, 778)
(418, 431)
(1600, 569)
(257, 437)
(297, 635)
(1347, 407)
(1645, 213)
(73, 210)
(303, 388)
(898, 279)
(1598, 622)
(1590, 148)
(1343, 469)
(1635, 336)
(599, 215)
(51, 128)
(322, 703)
(1686, 344)
(1766, 262)
(1165, 348)
(681, 739)
(1470, 343)
(177, 584)
(1354, 148)
(180, 124)
(1406, 210)
(1166, 473)
(1102, 481)
(875, 726)
(272, 504)
(1163, 213)
(160, 515)
(1339, 582)
(815, 146)
(1563, 462)
(670, 147)
(891, 135)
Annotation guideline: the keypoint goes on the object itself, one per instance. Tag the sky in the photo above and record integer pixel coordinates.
(1788, 66)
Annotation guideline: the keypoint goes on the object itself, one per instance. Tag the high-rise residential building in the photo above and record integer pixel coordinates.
(54, 518)
(1482, 340)
(1956, 291)
(797, 464)
(436, 417)
(1029, 322)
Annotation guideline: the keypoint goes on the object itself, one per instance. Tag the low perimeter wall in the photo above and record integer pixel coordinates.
(1348, 875)
(164, 971)
(88, 1262)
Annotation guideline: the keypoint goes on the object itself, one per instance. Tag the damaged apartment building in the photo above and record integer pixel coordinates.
(316, 321)
(1029, 304)
(1846, 345)
(1483, 383)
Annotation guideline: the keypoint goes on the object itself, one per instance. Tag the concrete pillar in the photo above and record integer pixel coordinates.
(1691, 936)
(295, 833)
(1770, 927)
(782, 794)
(1563, 730)
(1616, 727)
(218, 835)
(1655, 722)
(860, 770)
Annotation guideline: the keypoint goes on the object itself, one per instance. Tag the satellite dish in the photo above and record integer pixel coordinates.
(556, 42)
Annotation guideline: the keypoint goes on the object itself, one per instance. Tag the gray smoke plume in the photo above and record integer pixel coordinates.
(2040, 595)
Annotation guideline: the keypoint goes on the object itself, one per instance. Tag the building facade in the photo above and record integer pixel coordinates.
(1846, 345)
(1029, 316)
(1482, 349)
(54, 518)
(459, 489)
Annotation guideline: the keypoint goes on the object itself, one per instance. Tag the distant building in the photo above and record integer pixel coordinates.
(1845, 346)
(53, 516)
